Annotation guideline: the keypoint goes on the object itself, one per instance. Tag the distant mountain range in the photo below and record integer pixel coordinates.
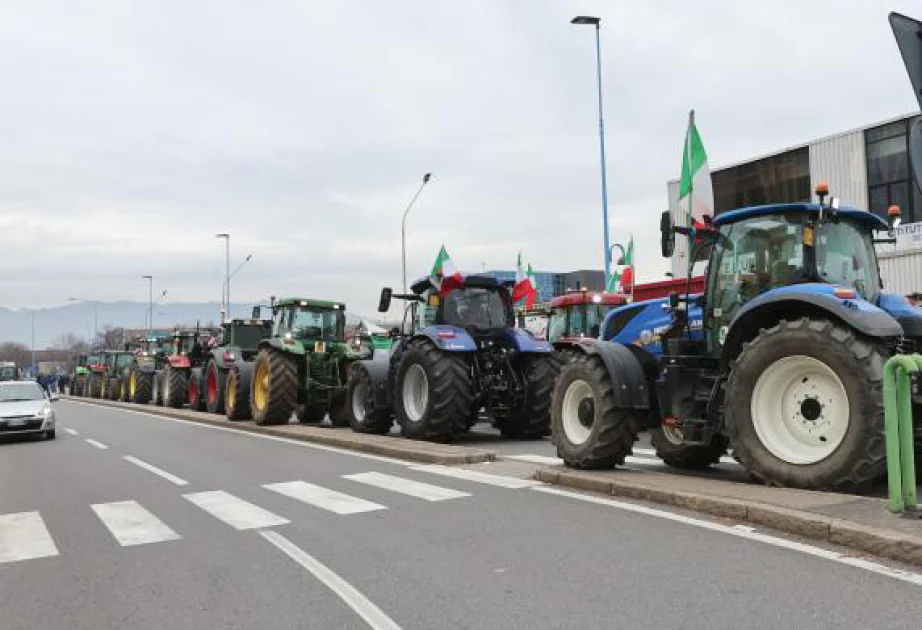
(77, 318)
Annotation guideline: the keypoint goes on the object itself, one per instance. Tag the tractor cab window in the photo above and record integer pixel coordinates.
(316, 323)
(595, 314)
(92, 360)
(123, 360)
(474, 307)
(577, 320)
(557, 325)
(426, 313)
(845, 256)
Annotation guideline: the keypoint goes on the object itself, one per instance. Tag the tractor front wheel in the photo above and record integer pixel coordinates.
(237, 393)
(196, 395)
(113, 388)
(434, 394)
(274, 393)
(805, 406)
(94, 386)
(215, 384)
(139, 386)
(669, 447)
(364, 416)
(589, 430)
(532, 419)
(175, 384)
(157, 390)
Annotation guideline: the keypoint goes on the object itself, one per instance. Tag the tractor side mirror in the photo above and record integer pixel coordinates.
(384, 304)
(256, 312)
(667, 235)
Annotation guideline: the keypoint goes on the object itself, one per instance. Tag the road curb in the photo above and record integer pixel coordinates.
(387, 446)
(876, 540)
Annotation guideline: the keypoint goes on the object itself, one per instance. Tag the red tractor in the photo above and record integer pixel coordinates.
(178, 382)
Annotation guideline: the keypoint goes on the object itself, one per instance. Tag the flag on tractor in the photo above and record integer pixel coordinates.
(444, 275)
(613, 281)
(696, 194)
(627, 277)
(525, 286)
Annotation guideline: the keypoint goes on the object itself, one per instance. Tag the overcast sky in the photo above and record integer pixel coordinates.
(132, 131)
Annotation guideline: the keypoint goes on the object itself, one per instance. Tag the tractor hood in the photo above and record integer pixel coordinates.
(909, 316)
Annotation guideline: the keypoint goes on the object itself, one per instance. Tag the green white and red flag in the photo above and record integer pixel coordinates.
(444, 275)
(524, 284)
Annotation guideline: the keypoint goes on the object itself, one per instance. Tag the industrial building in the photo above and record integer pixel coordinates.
(866, 167)
(551, 284)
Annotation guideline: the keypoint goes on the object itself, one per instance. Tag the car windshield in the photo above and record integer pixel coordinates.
(845, 256)
(316, 323)
(21, 391)
(475, 307)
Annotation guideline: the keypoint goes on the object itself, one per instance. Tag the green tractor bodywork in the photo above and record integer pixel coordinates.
(302, 366)
(148, 355)
(79, 376)
(239, 343)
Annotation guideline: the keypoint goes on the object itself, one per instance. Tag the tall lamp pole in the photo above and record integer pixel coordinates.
(595, 21)
(403, 228)
(34, 369)
(150, 303)
(226, 238)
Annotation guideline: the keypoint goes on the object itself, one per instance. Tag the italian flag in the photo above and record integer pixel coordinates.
(613, 281)
(524, 284)
(696, 195)
(444, 275)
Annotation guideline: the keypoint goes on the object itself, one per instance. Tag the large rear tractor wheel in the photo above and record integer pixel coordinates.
(310, 414)
(805, 407)
(175, 385)
(274, 394)
(434, 393)
(237, 393)
(94, 386)
(669, 447)
(113, 388)
(215, 384)
(589, 430)
(195, 389)
(140, 385)
(532, 420)
(364, 416)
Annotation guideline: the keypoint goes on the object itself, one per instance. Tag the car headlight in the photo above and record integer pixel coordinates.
(45, 411)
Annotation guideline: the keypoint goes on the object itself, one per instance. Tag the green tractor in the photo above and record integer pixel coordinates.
(79, 373)
(302, 367)
(138, 378)
(104, 380)
(238, 343)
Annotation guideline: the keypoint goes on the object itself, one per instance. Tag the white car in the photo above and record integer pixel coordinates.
(25, 408)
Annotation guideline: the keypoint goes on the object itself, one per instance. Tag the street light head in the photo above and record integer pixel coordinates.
(427, 177)
(586, 19)
(222, 235)
(148, 277)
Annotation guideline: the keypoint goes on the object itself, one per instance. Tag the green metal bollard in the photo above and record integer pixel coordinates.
(901, 473)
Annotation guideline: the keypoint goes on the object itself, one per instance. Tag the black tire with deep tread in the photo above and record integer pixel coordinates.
(613, 431)
(688, 456)
(77, 388)
(532, 420)
(217, 405)
(176, 382)
(156, 395)
(113, 388)
(860, 460)
(376, 420)
(195, 389)
(283, 388)
(310, 414)
(241, 376)
(94, 386)
(144, 384)
(451, 394)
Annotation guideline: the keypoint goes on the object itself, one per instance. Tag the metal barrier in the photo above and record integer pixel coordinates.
(901, 466)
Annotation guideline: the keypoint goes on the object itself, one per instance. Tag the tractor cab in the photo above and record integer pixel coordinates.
(481, 304)
(116, 360)
(580, 313)
(307, 319)
(8, 371)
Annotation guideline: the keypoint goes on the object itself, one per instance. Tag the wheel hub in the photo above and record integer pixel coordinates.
(358, 401)
(577, 412)
(261, 386)
(586, 412)
(415, 392)
(811, 409)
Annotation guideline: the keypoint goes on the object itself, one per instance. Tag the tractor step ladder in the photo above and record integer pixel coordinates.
(898, 429)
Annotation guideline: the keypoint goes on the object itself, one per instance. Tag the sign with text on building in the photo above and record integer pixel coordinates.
(908, 236)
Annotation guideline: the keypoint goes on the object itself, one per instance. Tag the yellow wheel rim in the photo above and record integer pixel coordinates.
(132, 384)
(261, 386)
(231, 391)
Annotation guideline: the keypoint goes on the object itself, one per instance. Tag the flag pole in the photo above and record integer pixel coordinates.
(691, 190)
(632, 267)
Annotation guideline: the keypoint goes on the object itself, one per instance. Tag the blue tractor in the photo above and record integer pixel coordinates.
(462, 354)
(780, 359)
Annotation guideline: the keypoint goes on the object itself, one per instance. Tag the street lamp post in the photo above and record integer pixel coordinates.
(595, 21)
(34, 373)
(226, 238)
(403, 229)
(150, 303)
(95, 318)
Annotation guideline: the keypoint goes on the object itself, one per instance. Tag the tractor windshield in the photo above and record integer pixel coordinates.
(474, 307)
(845, 256)
(123, 360)
(317, 323)
(92, 360)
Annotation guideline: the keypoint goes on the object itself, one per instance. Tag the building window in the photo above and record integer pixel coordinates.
(782, 178)
(889, 178)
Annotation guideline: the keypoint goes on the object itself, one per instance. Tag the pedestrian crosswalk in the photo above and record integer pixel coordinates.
(27, 535)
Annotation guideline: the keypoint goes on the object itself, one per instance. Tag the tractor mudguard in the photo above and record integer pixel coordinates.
(908, 316)
(790, 302)
(631, 390)
(448, 338)
(377, 369)
(523, 341)
(295, 347)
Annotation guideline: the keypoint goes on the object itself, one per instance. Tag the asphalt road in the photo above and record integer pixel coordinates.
(164, 524)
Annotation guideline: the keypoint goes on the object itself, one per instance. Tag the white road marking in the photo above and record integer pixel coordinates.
(630, 460)
(132, 524)
(479, 477)
(363, 607)
(324, 498)
(418, 489)
(237, 513)
(23, 536)
(71, 431)
(261, 436)
(99, 445)
(819, 552)
(179, 481)
(536, 459)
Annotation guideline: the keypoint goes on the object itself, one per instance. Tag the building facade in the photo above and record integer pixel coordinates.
(866, 167)
(551, 284)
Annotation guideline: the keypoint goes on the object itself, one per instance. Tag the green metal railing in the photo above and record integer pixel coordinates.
(901, 465)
